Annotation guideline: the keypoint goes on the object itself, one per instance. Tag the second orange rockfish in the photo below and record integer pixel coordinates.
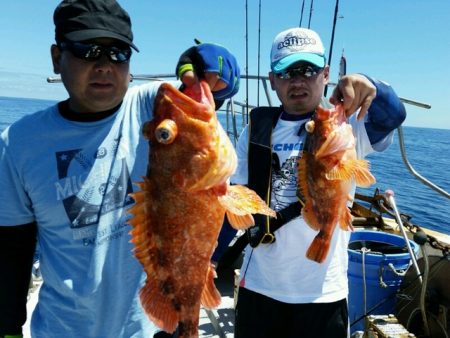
(328, 170)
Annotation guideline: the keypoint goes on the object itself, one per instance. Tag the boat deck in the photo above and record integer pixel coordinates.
(217, 323)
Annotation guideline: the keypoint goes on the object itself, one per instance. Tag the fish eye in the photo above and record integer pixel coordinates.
(166, 132)
(309, 126)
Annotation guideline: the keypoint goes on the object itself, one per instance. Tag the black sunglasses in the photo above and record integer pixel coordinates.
(305, 71)
(93, 52)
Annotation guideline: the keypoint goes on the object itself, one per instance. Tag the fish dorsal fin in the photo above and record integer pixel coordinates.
(240, 203)
(163, 315)
(210, 295)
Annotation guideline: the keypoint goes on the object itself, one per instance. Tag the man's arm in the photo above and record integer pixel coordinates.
(17, 246)
(376, 98)
(385, 114)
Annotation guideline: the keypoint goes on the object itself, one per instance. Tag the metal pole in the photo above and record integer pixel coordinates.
(390, 197)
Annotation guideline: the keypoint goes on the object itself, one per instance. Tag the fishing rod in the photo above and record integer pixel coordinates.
(310, 13)
(259, 52)
(332, 39)
(246, 58)
(301, 14)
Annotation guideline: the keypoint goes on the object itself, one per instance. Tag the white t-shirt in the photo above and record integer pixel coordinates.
(281, 270)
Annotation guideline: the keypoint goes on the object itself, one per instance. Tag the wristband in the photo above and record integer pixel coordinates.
(185, 68)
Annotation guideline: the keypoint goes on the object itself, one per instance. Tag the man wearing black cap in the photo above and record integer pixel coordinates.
(65, 176)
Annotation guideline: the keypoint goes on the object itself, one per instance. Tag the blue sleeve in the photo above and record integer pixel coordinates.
(386, 112)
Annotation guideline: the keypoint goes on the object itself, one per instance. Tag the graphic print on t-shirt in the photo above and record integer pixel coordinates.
(90, 186)
(284, 184)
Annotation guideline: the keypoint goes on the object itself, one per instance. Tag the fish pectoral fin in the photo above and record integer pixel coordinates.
(352, 169)
(210, 297)
(240, 203)
(362, 174)
(343, 171)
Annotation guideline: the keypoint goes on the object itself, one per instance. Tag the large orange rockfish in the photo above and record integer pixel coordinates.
(181, 206)
(327, 170)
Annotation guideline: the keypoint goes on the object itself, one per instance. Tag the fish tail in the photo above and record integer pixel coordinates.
(318, 250)
(210, 296)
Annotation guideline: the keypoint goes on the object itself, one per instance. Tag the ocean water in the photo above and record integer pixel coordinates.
(427, 150)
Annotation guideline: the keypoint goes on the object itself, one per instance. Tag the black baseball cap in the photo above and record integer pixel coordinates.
(80, 20)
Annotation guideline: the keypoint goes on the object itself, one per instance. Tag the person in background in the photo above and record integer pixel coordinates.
(282, 293)
(65, 177)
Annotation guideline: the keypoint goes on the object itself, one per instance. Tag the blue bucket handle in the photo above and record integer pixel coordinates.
(400, 272)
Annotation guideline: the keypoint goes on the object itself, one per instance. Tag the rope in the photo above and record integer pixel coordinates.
(364, 250)
(423, 292)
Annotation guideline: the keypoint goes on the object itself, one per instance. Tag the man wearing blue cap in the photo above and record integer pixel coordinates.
(65, 176)
(282, 293)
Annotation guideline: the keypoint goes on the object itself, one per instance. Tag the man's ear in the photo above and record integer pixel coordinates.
(56, 58)
(271, 79)
(326, 73)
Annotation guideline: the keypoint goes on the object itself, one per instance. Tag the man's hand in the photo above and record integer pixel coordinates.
(215, 83)
(213, 63)
(354, 91)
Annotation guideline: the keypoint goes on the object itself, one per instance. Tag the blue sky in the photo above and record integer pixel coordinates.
(403, 42)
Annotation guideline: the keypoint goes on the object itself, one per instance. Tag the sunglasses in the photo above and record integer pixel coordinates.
(93, 52)
(305, 71)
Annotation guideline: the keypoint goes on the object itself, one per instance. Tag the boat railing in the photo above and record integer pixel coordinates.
(237, 112)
